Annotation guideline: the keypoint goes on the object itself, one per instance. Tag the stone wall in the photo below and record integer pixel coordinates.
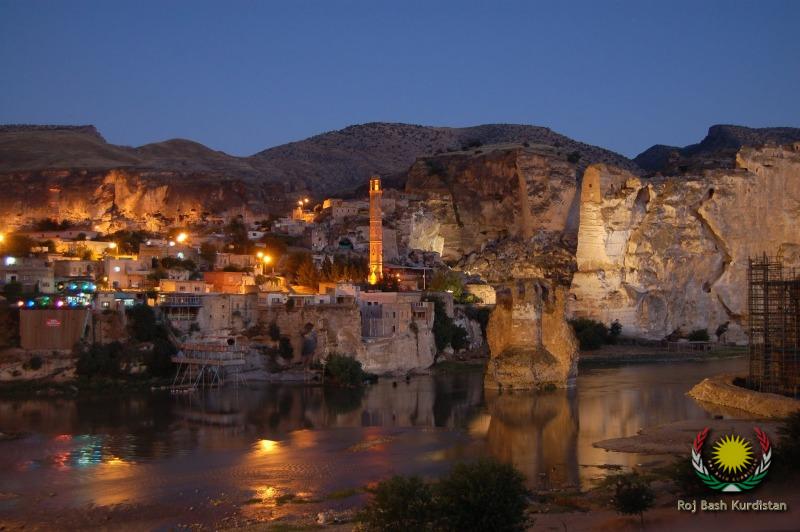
(338, 330)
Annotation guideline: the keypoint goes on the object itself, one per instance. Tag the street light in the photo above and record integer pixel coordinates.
(260, 254)
(181, 237)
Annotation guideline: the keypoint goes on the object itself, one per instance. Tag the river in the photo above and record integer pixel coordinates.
(154, 460)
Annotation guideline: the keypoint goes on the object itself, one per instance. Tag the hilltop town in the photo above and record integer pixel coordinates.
(326, 278)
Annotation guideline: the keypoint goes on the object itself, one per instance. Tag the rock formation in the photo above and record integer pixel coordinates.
(670, 253)
(530, 341)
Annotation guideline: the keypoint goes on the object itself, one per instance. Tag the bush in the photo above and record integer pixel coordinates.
(485, 495)
(344, 370)
(101, 360)
(35, 363)
(614, 332)
(447, 281)
(159, 360)
(274, 332)
(591, 334)
(682, 474)
(399, 504)
(633, 496)
(285, 349)
(459, 338)
(143, 323)
(698, 335)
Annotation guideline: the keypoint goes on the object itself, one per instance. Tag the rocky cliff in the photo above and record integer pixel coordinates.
(64, 171)
(670, 253)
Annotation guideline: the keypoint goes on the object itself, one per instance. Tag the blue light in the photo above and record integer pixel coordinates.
(31, 303)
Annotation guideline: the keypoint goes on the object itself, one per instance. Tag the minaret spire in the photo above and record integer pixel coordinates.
(375, 230)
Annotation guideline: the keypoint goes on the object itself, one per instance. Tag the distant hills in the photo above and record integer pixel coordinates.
(327, 164)
(717, 149)
(340, 161)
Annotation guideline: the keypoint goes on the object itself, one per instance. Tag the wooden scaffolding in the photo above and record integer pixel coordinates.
(201, 365)
(773, 301)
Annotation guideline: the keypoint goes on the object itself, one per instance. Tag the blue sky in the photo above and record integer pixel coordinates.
(241, 76)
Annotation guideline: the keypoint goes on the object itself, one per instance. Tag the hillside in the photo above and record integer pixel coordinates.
(339, 160)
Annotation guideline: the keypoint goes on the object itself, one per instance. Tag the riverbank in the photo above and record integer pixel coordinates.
(611, 355)
(723, 390)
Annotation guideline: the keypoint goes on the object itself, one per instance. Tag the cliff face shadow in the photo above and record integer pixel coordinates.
(537, 433)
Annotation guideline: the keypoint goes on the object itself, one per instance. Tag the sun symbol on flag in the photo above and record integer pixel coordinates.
(732, 454)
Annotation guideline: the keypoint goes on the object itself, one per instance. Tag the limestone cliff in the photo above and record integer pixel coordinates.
(116, 199)
(496, 194)
(670, 253)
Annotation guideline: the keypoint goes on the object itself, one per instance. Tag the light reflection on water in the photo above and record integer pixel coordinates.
(264, 442)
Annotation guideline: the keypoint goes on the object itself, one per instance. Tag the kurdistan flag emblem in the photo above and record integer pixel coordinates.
(733, 466)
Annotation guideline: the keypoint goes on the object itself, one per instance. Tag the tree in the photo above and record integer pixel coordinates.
(18, 245)
(442, 325)
(633, 496)
(9, 326)
(236, 234)
(128, 242)
(699, 335)
(485, 495)
(614, 332)
(274, 332)
(208, 252)
(307, 274)
(448, 281)
(13, 291)
(591, 334)
(400, 504)
(327, 270)
(143, 323)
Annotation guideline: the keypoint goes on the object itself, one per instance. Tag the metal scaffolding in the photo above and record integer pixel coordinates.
(202, 365)
(773, 300)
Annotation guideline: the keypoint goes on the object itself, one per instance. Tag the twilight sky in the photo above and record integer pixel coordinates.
(241, 76)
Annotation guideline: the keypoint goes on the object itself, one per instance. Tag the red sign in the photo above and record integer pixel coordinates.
(52, 322)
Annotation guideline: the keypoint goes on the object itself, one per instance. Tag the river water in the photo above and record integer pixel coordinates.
(259, 451)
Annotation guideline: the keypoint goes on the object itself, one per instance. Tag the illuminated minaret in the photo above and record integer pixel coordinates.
(375, 230)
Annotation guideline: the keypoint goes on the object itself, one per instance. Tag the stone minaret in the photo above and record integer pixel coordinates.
(375, 230)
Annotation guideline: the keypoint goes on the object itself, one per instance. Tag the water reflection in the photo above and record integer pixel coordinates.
(263, 442)
(538, 433)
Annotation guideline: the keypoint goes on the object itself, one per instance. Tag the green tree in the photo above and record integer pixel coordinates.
(236, 235)
(344, 370)
(13, 291)
(208, 252)
(18, 245)
(591, 334)
(448, 281)
(9, 326)
(485, 495)
(142, 323)
(633, 496)
(400, 504)
(699, 335)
